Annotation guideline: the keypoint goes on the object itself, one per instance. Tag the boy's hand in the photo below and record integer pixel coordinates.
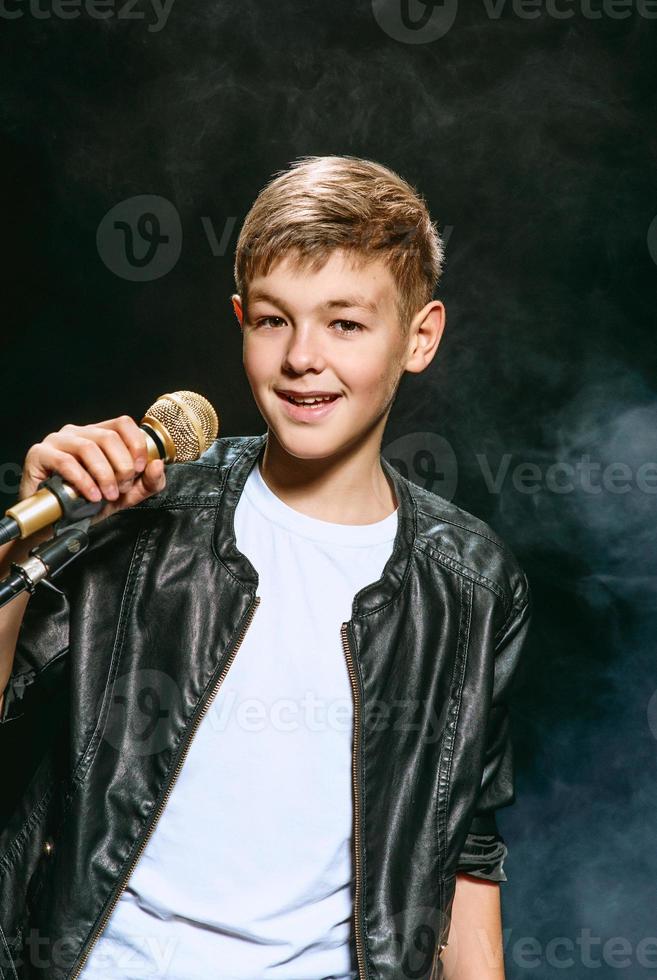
(105, 459)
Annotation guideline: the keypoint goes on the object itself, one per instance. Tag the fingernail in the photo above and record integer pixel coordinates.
(95, 494)
(140, 464)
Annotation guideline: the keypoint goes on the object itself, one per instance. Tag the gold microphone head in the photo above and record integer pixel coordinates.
(185, 423)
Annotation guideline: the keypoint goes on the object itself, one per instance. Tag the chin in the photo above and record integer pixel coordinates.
(305, 442)
(306, 445)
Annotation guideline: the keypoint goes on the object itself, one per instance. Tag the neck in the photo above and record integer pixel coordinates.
(349, 487)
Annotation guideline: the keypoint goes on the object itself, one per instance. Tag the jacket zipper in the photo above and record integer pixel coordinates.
(164, 799)
(358, 930)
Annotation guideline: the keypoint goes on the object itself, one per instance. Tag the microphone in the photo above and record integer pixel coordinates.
(178, 427)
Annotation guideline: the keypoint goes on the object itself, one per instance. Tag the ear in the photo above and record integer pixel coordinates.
(426, 332)
(237, 306)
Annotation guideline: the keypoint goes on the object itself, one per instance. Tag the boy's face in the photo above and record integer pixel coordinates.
(333, 331)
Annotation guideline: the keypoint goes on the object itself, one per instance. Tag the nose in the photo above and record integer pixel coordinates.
(304, 350)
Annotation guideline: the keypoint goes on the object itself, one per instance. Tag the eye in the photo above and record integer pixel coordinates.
(349, 323)
(266, 319)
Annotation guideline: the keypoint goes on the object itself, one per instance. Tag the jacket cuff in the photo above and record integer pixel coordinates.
(14, 696)
(483, 857)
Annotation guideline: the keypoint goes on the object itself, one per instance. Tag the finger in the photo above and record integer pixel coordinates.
(152, 480)
(121, 459)
(92, 457)
(153, 476)
(132, 435)
(54, 460)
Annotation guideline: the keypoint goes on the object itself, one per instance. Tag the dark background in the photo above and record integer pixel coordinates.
(533, 140)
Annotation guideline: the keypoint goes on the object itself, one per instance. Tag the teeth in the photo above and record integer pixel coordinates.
(309, 401)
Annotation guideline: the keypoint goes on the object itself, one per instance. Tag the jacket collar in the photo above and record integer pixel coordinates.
(368, 599)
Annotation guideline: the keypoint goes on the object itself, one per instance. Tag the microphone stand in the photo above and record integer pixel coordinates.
(51, 556)
(45, 559)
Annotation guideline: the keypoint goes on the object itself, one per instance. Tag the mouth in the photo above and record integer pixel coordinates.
(311, 398)
(312, 407)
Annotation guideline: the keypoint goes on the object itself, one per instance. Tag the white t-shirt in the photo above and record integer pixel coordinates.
(248, 873)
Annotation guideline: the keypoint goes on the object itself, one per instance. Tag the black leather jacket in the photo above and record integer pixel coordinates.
(144, 627)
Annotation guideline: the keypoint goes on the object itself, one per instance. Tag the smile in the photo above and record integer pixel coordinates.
(301, 412)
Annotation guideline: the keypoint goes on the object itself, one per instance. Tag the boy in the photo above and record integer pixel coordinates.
(288, 570)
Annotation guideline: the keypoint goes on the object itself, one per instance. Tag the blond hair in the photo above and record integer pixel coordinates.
(322, 203)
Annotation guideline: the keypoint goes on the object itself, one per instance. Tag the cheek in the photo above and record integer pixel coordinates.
(254, 358)
(373, 377)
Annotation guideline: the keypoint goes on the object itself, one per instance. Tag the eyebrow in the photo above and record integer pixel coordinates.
(358, 302)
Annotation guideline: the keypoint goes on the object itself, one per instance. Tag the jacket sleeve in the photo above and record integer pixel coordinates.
(42, 640)
(485, 849)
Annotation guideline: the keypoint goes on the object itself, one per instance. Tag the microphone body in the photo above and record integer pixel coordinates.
(178, 427)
